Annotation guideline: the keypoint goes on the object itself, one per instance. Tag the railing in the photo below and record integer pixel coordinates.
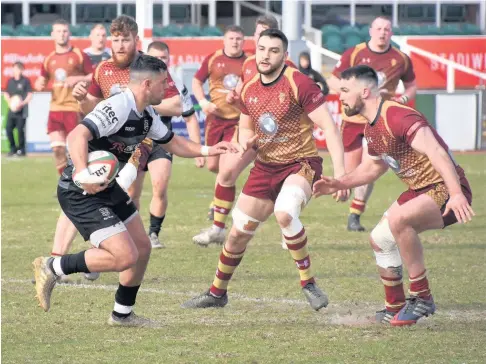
(452, 66)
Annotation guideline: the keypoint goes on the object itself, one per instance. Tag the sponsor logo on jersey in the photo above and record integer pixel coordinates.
(109, 113)
(268, 124)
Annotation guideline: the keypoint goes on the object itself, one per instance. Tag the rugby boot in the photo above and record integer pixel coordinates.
(315, 296)
(206, 300)
(155, 242)
(210, 236)
(415, 308)
(384, 316)
(45, 281)
(132, 320)
(354, 223)
(93, 276)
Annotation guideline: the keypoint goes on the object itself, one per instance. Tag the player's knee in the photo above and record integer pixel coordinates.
(159, 191)
(243, 223)
(288, 206)
(225, 177)
(126, 260)
(213, 168)
(283, 218)
(384, 246)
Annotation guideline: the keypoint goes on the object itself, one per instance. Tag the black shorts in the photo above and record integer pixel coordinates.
(157, 153)
(97, 217)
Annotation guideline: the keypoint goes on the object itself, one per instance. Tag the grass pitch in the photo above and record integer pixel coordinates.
(268, 319)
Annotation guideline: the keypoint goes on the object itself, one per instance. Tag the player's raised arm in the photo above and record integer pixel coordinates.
(88, 96)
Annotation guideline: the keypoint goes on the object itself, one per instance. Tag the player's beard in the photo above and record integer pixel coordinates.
(270, 70)
(124, 60)
(354, 110)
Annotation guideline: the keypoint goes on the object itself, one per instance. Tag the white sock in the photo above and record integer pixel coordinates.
(216, 229)
(56, 265)
(124, 310)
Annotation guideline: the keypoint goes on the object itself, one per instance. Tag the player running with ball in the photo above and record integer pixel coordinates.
(104, 214)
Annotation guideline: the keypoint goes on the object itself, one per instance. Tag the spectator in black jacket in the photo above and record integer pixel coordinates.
(306, 68)
(18, 96)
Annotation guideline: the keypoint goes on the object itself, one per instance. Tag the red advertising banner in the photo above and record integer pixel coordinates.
(32, 52)
(467, 51)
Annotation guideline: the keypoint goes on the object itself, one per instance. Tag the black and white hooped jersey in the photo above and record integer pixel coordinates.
(117, 126)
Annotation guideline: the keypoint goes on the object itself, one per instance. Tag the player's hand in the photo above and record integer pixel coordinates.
(326, 186)
(90, 183)
(341, 195)
(80, 90)
(222, 148)
(459, 204)
(249, 144)
(209, 108)
(232, 97)
(200, 162)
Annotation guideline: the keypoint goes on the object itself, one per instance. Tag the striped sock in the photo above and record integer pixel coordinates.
(419, 286)
(228, 262)
(394, 293)
(224, 198)
(297, 245)
(357, 207)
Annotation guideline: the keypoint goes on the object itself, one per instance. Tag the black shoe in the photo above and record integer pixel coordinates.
(354, 224)
(206, 300)
(11, 154)
(315, 296)
(20, 153)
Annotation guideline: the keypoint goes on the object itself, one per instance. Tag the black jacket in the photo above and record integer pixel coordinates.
(314, 75)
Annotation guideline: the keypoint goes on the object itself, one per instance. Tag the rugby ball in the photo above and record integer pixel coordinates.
(103, 163)
(14, 103)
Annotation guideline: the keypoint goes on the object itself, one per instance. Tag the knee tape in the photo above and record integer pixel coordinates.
(291, 200)
(389, 256)
(244, 223)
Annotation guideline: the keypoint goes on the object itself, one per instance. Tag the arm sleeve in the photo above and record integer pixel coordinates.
(108, 116)
(409, 74)
(310, 96)
(344, 63)
(404, 123)
(94, 88)
(202, 73)
(158, 132)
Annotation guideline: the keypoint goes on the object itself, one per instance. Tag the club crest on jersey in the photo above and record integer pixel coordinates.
(281, 97)
(230, 81)
(268, 124)
(60, 74)
(393, 62)
(392, 162)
